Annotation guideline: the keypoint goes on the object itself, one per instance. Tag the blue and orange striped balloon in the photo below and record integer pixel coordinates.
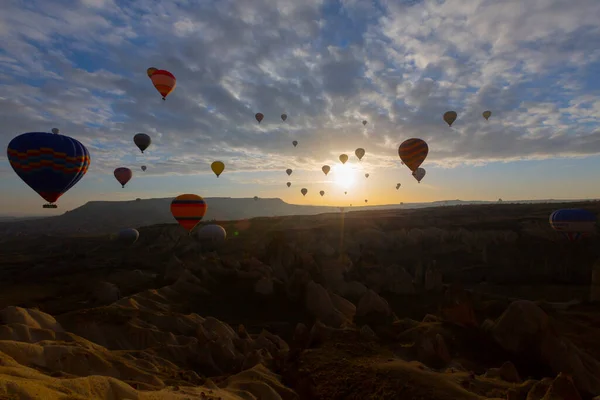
(49, 163)
(413, 152)
(188, 210)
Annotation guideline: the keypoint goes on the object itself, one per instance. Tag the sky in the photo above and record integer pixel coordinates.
(80, 66)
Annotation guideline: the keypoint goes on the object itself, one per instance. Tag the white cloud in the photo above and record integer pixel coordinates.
(80, 65)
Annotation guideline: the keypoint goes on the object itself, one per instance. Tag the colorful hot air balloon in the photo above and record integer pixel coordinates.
(50, 164)
(142, 141)
(144, 168)
(259, 117)
(284, 117)
(366, 175)
(326, 169)
(364, 123)
(450, 117)
(289, 184)
(573, 223)
(288, 171)
(360, 153)
(164, 82)
(322, 193)
(413, 152)
(188, 210)
(150, 71)
(303, 191)
(123, 175)
(487, 114)
(419, 174)
(217, 167)
(295, 143)
(343, 158)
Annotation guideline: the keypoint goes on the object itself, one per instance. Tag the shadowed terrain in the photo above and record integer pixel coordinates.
(461, 302)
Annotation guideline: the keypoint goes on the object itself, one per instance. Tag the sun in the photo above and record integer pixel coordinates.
(344, 176)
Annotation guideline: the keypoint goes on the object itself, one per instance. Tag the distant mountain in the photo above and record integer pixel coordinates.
(100, 217)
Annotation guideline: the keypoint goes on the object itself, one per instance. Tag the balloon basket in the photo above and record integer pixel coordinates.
(49, 206)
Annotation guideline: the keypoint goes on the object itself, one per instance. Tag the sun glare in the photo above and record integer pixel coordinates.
(344, 175)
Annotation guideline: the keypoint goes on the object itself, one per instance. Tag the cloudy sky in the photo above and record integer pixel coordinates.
(80, 66)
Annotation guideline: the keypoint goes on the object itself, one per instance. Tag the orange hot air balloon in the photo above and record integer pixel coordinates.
(326, 169)
(164, 82)
(259, 117)
(343, 158)
(188, 210)
(123, 175)
(413, 152)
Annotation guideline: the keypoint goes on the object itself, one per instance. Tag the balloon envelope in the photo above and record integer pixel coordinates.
(259, 117)
(288, 171)
(123, 175)
(343, 158)
(50, 164)
(487, 114)
(295, 143)
(164, 82)
(217, 167)
(366, 175)
(143, 167)
(284, 116)
(211, 233)
(450, 117)
(142, 141)
(128, 236)
(364, 122)
(289, 184)
(188, 210)
(419, 174)
(304, 191)
(326, 169)
(322, 192)
(413, 152)
(573, 223)
(360, 153)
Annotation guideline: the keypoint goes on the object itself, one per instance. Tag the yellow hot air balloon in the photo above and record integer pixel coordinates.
(217, 167)
(450, 117)
(326, 169)
(487, 114)
(151, 71)
(343, 158)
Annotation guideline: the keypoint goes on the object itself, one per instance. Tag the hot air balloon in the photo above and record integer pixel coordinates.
(419, 174)
(150, 71)
(188, 210)
(343, 158)
(322, 193)
(164, 82)
(259, 117)
(360, 153)
(255, 198)
(50, 164)
(364, 123)
(295, 143)
(326, 169)
(142, 141)
(366, 201)
(398, 186)
(127, 236)
(217, 167)
(211, 233)
(289, 184)
(138, 199)
(413, 152)
(144, 168)
(303, 191)
(288, 171)
(284, 117)
(366, 175)
(345, 192)
(573, 223)
(123, 175)
(450, 117)
(487, 114)
(56, 131)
